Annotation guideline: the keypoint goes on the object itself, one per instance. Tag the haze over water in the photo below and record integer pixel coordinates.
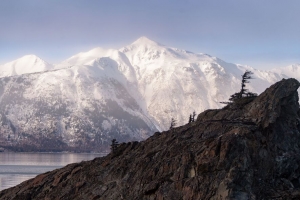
(18, 167)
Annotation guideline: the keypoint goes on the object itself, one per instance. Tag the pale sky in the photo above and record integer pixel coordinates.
(260, 33)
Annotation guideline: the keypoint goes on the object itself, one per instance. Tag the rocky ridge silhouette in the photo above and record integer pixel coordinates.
(249, 151)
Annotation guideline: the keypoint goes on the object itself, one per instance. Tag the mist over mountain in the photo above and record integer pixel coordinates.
(127, 94)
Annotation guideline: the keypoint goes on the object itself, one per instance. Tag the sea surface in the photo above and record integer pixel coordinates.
(18, 167)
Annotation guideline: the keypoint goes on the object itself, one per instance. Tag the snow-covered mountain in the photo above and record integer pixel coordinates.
(81, 107)
(290, 71)
(25, 65)
(175, 82)
(128, 94)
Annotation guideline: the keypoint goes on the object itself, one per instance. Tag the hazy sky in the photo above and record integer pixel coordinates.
(259, 33)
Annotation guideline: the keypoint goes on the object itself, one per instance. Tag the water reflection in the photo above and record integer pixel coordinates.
(18, 167)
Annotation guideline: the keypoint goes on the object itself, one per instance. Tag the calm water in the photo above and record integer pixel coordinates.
(18, 167)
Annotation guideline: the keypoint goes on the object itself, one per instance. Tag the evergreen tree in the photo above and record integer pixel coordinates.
(173, 123)
(194, 115)
(243, 92)
(114, 145)
(245, 79)
(191, 118)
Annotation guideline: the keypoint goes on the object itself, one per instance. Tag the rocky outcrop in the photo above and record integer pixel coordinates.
(247, 152)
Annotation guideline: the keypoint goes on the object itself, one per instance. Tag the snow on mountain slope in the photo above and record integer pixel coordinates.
(175, 82)
(85, 57)
(26, 64)
(289, 71)
(82, 107)
(127, 93)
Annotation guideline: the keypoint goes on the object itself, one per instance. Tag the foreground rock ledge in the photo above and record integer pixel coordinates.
(251, 152)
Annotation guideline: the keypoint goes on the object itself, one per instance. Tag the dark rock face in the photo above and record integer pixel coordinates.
(247, 153)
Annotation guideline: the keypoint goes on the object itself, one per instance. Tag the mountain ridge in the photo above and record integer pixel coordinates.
(125, 94)
(99, 52)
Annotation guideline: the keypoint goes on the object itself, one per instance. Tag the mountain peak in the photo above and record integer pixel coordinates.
(86, 57)
(24, 65)
(30, 58)
(144, 41)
